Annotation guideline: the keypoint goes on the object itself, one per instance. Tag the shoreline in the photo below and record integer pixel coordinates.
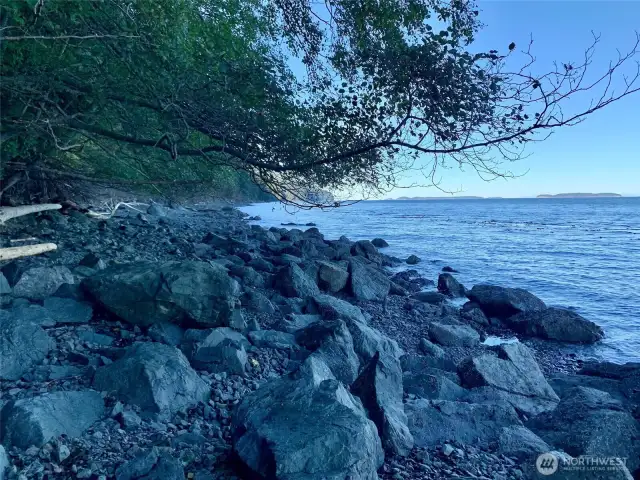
(279, 279)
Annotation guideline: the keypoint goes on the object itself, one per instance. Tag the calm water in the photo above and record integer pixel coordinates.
(582, 254)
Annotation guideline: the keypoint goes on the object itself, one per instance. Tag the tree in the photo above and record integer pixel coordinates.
(182, 88)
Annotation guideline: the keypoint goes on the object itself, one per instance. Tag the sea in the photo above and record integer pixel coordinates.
(576, 253)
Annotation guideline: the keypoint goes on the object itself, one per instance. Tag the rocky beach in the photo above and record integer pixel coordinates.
(184, 342)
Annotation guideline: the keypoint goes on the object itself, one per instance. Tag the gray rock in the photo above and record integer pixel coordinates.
(151, 464)
(165, 332)
(379, 386)
(520, 442)
(91, 260)
(472, 312)
(293, 282)
(36, 420)
(448, 285)
(512, 370)
(68, 310)
(430, 349)
(154, 376)
(504, 302)
(433, 298)
(413, 260)
(420, 363)
(4, 463)
(306, 426)
(28, 313)
(366, 249)
(91, 337)
(254, 300)
(41, 282)
(273, 339)
(332, 277)
(216, 350)
(180, 292)
(5, 288)
(368, 283)
(556, 324)
(593, 423)
(628, 374)
(432, 384)
(379, 243)
(22, 345)
(294, 322)
(453, 335)
(433, 422)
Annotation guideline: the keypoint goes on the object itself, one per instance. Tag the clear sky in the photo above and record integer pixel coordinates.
(600, 155)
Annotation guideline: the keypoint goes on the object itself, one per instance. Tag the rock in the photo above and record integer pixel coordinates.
(504, 302)
(91, 337)
(293, 282)
(472, 312)
(556, 324)
(511, 370)
(224, 243)
(254, 300)
(364, 248)
(447, 450)
(413, 260)
(216, 350)
(179, 292)
(22, 345)
(36, 420)
(433, 298)
(28, 313)
(157, 210)
(295, 322)
(449, 270)
(155, 377)
(379, 243)
(430, 349)
(379, 386)
(41, 282)
(453, 335)
(593, 423)
(165, 332)
(421, 363)
(448, 285)
(273, 339)
(433, 422)
(67, 310)
(628, 374)
(91, 260)
(4, 463)
(5, 288)
(331, 277)
(306, 426)
(432, 384)
(151, 464)
(332, 308)
(332, 344)
(520, 442)
(368, 283)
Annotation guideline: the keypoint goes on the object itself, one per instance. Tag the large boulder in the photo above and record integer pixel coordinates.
(432, 298)
(504, 302)
(591, 422)
(22, 345)
(556, 324)
(307, 426)
(41, 282)
(36, 420)
(520, 442)
(433, 422)
(331, 276)
(368, 282)
(453, 335)
(273, 339)
(155, 377)
(627, 374)
(293, 282)
(511, 371)
(379, 386)
(152, 464)
(188, 293)
(448, 285)
(432, 384)
(366, 249)
(216, 349)
(68, 310)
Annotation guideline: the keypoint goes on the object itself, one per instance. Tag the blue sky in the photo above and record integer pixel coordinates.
(599, 155)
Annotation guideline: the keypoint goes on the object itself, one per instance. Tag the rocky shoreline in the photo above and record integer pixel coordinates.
(187, 343)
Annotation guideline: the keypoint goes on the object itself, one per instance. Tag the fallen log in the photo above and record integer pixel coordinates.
(11, 253)
(7, 213)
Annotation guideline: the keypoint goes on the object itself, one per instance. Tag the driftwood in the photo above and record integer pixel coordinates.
(7, 213)
(26, 251)
(111, 209)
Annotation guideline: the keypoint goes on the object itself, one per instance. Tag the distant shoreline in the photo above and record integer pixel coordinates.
(542, 196)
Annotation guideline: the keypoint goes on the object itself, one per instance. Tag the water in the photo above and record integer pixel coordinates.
(582, 254)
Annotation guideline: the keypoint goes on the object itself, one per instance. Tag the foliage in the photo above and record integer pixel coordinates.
(195, 90)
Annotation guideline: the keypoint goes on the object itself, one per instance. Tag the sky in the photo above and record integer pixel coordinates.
(599, 155)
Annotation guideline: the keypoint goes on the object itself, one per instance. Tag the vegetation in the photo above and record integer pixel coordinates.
(281, 94)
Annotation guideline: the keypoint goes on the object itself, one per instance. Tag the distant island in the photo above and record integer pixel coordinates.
(439, 198)
(579, 195)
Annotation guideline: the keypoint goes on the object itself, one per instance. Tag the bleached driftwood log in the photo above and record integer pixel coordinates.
(111, 209)
(7, 213)
(26, 250)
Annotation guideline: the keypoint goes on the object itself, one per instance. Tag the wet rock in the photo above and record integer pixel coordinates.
(433, 298)
(41, 282)
(556, 324)
(448, 285)
(307, 426)
(513, 372)
(366, 249)
(453, 335)
(155, 377)
(67, 310)
(165, 332)
(449, 269)
(413, 260)
(504, 302)
(332, 277)
(379, 243)
(379, 386)
(36, 420)
(216, 350)
(472, 312)
(180, 292)
(151, 464)
(293, 282)
(368, 283)
(520, 442)
(273, 339)
(22, 345)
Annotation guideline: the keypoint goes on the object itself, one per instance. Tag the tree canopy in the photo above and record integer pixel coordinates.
(296, 97)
